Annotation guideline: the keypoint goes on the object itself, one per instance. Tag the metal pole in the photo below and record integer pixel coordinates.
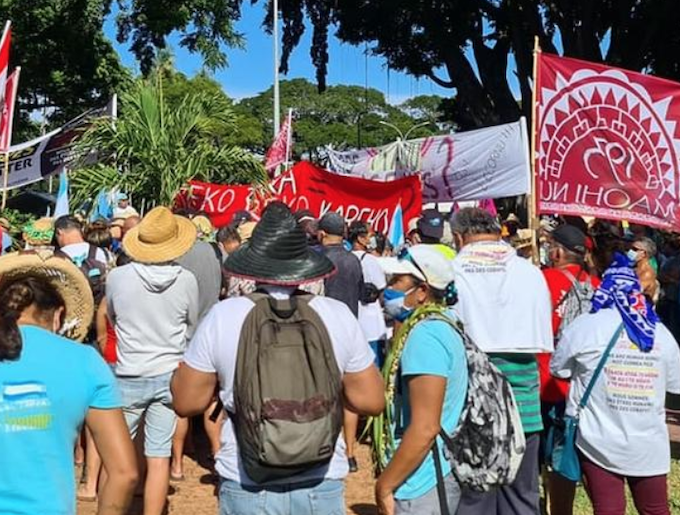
(277, 99)
(533, 197)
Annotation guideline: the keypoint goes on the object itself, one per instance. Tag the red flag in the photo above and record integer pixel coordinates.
(7, 115)
(608, 143)
(280, 149)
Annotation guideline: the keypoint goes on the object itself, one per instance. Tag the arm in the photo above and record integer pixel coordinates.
(426, 398)
(100, 323)
(364, 391)
(192, 390)
(192, 310)
(562, 360)
(111, 436)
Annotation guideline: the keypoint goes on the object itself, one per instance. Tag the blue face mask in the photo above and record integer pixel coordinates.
(394, 304)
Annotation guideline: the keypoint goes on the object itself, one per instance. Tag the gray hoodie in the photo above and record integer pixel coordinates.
(154, 309)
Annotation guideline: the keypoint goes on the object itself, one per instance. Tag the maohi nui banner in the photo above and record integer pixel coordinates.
(307, 186)
(608, 143)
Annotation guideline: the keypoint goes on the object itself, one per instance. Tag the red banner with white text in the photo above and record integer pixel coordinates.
(307, 186)
(608, 143)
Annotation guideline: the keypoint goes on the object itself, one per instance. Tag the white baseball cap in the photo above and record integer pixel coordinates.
(423, 262)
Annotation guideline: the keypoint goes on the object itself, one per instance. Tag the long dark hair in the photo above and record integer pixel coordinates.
(15, 297)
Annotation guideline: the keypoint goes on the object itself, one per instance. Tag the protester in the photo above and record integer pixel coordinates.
(622, 434)
(278, 259)
(571, 291)
(68, 234)
(204, 228)
(641, 253)
(522, 242)
(50, 386)
(204, 261)
(669, 278)
(130, 223)
(239, 286)
(6, 241)
(153, 305)
(98, 235)
(510, 226)
(123, 209)
(504, 304)
(433, 378)
(382, 246)
(228, 241)
(430, 230)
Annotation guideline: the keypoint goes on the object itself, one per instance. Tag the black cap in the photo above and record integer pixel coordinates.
(571, 238)
(332, 223)
(431, 224)
(241, 216)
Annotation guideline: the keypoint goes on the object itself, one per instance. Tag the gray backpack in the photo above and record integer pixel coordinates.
(577, 301)
(287, 390)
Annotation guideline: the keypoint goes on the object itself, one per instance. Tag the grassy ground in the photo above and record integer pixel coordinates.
(582, 504)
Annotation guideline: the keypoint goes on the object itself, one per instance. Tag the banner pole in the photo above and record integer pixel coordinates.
(533, 196)
(5, 178)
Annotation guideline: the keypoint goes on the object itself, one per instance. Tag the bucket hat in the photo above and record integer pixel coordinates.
(422, 262)
(39, 232)
(277, 253)
(64, 276)
(160, 237)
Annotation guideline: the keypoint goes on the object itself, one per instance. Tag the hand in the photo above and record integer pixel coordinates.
(384, 498)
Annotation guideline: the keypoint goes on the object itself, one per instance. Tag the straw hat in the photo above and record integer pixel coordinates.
(204, 226)
(278, 252)
(39, 232)
(64, 276)
(160, 237)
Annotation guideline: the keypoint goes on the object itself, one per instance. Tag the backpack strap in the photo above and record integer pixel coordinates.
(92, 253)
(441, 487)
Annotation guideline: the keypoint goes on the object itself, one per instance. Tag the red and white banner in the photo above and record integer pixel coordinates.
(7, 114)
(307, 186)
(608, 143)
(279, 152)
(486, 163)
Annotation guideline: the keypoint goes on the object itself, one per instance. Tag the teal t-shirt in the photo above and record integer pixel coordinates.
(432, 348)
(44, 398)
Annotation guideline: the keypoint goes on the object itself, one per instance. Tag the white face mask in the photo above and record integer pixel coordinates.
(633, 255)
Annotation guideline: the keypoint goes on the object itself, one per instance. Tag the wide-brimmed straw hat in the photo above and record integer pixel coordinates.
(160, 237)
(64, 276)
(277, 252)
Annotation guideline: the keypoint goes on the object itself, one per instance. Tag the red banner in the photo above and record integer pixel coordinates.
(608, 143)
(307, 186)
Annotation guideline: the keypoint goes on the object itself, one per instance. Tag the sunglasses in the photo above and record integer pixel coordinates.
(405, 255)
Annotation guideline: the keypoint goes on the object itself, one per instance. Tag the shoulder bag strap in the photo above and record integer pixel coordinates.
(441, 487)
(598, 370)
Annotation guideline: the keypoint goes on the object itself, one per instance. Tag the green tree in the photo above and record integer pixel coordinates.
(341, 116)
(156, 147)
(465, 45)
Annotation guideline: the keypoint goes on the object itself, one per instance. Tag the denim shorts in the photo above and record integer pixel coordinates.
(429, 504)
(150, 397)
(319, 498)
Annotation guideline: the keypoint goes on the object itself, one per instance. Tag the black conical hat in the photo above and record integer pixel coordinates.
(278, 253)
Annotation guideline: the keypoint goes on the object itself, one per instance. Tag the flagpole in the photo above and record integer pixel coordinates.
(533, 196)
(10, 125)
(277, 99)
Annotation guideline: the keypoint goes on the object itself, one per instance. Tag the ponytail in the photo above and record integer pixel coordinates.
(15, 297)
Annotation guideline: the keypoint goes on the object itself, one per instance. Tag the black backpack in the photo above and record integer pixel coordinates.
(287, 390)
(95, 271)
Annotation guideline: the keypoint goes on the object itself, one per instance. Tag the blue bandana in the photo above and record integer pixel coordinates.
(621, 288)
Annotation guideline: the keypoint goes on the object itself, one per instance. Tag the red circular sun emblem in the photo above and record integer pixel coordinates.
(605, 146)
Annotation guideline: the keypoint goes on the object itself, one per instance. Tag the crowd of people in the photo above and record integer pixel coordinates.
(283, 336)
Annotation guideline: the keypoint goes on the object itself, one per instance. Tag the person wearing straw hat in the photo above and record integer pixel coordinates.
(278, 258)
(49, 386)
(153, 306)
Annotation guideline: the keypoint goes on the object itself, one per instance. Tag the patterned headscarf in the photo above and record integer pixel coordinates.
(621, 288)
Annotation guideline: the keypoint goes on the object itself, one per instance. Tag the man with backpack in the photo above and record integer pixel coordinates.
(571, 293)
(428, 380)
(285, 360)
(504, 305)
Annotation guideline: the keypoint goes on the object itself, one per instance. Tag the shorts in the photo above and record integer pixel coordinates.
(150, 397)
(428, 504)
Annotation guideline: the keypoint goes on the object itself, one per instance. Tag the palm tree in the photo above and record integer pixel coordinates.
(153, 150)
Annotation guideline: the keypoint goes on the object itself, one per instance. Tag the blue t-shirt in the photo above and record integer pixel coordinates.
(44, 398)
(433, 348)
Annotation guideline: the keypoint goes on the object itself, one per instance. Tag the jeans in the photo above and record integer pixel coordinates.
(312, 498)
(150, 397)
(607, 491)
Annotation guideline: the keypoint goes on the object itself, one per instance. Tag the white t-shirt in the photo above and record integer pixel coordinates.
(623, 427)
(79, 251)
(371, 318)
(214, 348)
(503, 300)
(124, 212)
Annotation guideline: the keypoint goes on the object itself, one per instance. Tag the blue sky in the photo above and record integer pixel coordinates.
(250, 70)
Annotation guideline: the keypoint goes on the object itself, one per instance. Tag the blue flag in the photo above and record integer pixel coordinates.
(396, 234)
(103, 207)
(62, 206)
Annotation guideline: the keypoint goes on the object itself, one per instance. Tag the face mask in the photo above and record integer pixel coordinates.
(632, 255)
(544, 252)
(372, 244)
(394, 304)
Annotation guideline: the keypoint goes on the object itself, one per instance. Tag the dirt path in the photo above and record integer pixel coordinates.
(196, 494)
